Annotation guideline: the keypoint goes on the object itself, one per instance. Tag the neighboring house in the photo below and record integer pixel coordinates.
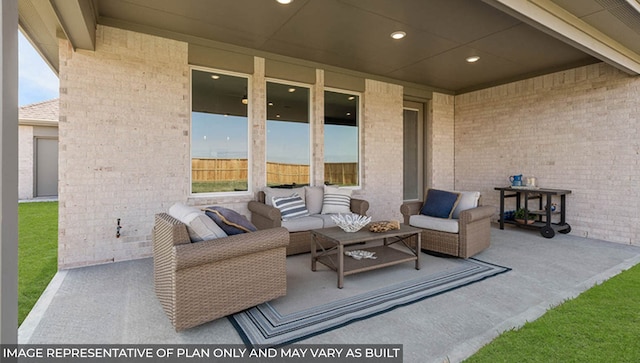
(138, 108)
(38, 150)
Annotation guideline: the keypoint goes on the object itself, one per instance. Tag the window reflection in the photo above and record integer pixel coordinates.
(288, 140)
(219, 133)
(341, 141)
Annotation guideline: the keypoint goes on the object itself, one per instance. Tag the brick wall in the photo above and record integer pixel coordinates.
(576, 129)
(383, 139)
(440, 142)
(124, 143)
(25, 162)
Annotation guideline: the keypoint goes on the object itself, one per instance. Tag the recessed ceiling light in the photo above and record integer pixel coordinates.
(215, 76)
(351, 98)
(398, 35)
(292, 89)
(473, 59)
(284, 2)
(270, 103)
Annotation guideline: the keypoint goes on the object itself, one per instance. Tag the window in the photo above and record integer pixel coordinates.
(288, 134)
(341, 138)
(219, 132)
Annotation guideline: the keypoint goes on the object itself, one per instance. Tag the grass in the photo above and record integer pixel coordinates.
(600, 325)
(37, 252)
(218, 186)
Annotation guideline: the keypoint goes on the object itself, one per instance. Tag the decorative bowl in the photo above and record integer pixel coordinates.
(351, 222)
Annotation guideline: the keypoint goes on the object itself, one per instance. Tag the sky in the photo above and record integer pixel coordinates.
(36, 80)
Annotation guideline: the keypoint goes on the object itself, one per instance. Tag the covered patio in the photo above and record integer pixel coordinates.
(115, 303)
(544, 88)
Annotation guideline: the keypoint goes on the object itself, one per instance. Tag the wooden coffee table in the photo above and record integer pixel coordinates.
(334, 258)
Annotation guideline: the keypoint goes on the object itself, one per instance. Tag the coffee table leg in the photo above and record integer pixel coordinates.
(313, 253)
(340, 266)
(418, 250)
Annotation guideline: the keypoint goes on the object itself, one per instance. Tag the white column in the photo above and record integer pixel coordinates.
(9, 173)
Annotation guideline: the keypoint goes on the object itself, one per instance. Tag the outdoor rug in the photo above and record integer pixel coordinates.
(314, 304)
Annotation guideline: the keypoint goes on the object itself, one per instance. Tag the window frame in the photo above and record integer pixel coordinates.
(359, 121)
(248, 77)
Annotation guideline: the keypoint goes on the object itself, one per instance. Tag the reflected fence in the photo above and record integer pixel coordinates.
(236, 170)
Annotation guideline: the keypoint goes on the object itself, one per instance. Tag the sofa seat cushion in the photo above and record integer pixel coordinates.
(327, 222)
(303, 224)
(435, 223)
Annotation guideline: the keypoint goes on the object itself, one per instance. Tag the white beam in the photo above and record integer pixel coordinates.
(78, 21)
(9, 173)
(554, 20)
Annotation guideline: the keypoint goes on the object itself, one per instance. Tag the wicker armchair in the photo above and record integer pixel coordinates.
(202, 281)
(264, 216)
(474, 231)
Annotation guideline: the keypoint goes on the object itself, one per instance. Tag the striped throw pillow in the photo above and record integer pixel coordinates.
(290, 207)
(336, 200)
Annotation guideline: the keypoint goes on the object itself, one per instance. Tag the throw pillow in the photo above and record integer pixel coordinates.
(336, 200)
(290, 207)
(439, 203)
(269, 193)
(229, 220)
(199, 226)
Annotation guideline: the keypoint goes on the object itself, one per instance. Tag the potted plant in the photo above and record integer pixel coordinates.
(520, 215)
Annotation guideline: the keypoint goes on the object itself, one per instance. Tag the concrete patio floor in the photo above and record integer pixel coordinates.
(115, 303)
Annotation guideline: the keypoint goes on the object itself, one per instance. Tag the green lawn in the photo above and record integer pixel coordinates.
(600, 325)
(37, 252)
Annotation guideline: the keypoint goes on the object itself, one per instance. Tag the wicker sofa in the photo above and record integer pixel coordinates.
(202, 281)
(464, 235)
(264, 216)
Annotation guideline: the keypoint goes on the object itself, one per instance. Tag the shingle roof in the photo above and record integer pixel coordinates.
(46, 110)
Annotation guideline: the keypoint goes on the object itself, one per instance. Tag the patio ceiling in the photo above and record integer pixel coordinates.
(514, 39)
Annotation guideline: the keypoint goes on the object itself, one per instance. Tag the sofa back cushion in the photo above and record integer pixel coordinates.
(313, 199)
(466, 201)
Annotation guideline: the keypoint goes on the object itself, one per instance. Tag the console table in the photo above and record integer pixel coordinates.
(543, 222)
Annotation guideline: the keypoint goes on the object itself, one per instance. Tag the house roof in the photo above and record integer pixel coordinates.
(514, 39)
(40, 114)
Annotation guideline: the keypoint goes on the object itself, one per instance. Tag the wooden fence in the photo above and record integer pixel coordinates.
(203, 170)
